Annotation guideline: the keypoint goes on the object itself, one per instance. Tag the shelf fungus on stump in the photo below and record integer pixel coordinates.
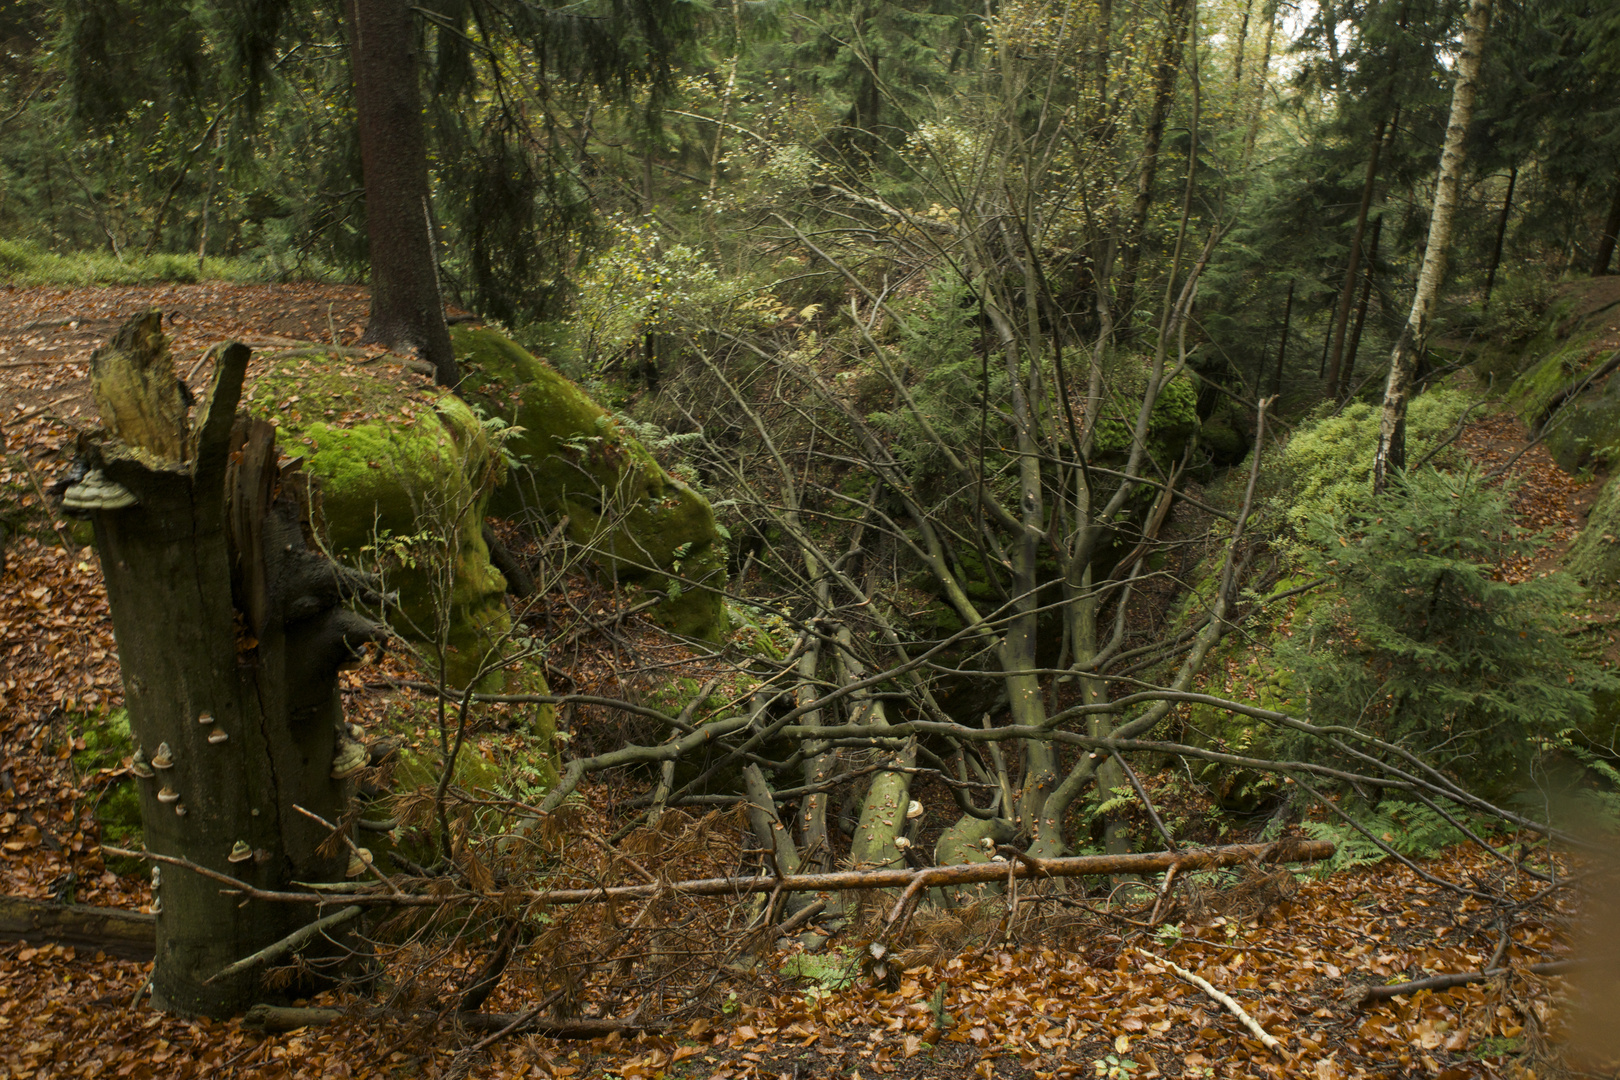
(226, 614)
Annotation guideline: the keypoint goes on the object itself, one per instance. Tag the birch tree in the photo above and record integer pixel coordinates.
(1391, 454)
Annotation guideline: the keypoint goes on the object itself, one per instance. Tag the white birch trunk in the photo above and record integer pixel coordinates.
(1391, 453)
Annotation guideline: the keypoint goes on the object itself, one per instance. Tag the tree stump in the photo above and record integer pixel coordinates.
(231, 629)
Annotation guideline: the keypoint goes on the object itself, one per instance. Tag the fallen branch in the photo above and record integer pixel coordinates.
(290, 943)
(127, 934)
(1270, 1041)
(1025, 866)
(842, 881)
(1460, 978)
(276, 1018)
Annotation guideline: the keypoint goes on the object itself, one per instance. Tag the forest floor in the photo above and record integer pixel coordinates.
(1061, 990)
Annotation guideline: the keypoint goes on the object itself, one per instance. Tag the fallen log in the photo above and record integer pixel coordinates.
(278, 1018)
(1283, 851)
(126, 934)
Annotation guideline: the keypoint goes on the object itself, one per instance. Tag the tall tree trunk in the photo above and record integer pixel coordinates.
(1347, 292)
(1611, 229)
(1501, 232)
(1242, 40)
(407, 310)
(1361, 309)
(1164, 92)
(1391, 453)
(1282, 347)
(230, 634)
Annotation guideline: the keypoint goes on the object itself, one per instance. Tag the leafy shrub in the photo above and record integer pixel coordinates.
(1518, 310)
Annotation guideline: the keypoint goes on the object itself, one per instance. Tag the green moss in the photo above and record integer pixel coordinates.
(1595, 556)
(1174, 420)
(575, 461)
(474, 772)
(1328, 462)
(759, 632)
(406, 472)
(116, 805)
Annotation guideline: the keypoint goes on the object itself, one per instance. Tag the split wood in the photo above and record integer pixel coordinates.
(913, 882)
(1270, 1041)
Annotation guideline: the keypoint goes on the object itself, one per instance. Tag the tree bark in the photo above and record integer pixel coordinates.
(1164, 92)
(1282, 346)
(230, 633)
(1501, 231)
(1391, 452)
(1611, 229)
(407, 310)
(1347, 293)
(1361, 311)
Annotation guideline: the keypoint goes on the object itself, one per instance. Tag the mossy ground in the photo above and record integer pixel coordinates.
(116, 804)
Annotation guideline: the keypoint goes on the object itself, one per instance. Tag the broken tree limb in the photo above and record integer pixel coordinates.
(291, 943)
(1369, 994)
(1283, 851)
(1270, 1041)
(127, 934)
(275, 1018)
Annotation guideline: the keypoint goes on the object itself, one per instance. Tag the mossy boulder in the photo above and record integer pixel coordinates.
(1173, 421)
(1594, 558)
(405, 472)
(1587, 431)
(1226, 436)
(575, 461)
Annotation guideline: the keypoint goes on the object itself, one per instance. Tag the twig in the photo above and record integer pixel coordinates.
(1203, 984)
(353, 848)
(1164, 892)
(288, 944)
(1147, 804)
(517, 1021)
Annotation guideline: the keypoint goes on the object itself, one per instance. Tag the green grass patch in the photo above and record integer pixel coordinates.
(26, 264)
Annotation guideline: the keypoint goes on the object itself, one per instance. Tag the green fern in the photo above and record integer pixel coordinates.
(1411, 829)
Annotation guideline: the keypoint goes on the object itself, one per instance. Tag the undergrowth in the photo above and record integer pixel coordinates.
(27, 264)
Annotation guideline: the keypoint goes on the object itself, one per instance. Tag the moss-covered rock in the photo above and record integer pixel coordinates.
(1587, 431)
(576, 462)
(1594, 558)
(1172, 423)
(405, 473)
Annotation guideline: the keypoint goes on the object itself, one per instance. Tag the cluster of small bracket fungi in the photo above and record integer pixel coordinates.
(349, 756)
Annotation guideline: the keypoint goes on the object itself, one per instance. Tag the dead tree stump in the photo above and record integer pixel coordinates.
(231, 629)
